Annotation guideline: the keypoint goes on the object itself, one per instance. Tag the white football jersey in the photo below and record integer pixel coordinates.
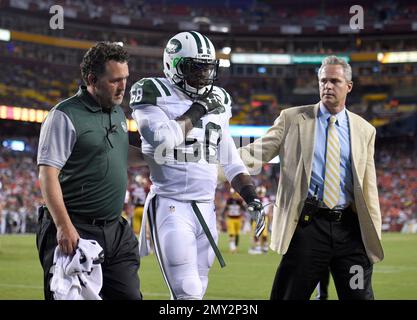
(183, 169)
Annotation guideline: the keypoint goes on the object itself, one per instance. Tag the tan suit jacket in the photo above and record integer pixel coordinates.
(292, 138)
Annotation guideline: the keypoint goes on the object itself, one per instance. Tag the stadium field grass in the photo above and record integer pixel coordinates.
(245, 276)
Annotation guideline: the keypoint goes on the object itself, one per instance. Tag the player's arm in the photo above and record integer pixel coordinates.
(67, 235)
(243, 184)
(154, 124)
(189, 119)
(57, 139)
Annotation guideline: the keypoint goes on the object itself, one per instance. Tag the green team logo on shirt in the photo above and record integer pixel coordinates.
(124, 126)
(173, 46)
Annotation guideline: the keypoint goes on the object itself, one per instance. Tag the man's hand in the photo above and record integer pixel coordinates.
(191, 117)
(207, 105)
(67, 238)
(257, 213)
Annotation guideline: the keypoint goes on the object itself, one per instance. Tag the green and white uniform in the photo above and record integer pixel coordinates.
(182, 171)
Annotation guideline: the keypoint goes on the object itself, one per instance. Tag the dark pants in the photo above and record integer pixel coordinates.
(323, 286)
(320, 245)
(121, 256)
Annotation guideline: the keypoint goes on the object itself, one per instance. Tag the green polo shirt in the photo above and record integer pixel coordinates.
(90, 147)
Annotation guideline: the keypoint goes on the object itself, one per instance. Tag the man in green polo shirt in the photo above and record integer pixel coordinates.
(82, 159)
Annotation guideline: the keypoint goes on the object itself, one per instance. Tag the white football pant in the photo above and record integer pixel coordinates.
(181, 246)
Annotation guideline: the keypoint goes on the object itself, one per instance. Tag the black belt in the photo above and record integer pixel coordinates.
(322, 205)
(333, 215)
(90, 220)
(75, 218)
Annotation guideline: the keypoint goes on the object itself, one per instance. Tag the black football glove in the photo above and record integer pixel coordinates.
(257, 212)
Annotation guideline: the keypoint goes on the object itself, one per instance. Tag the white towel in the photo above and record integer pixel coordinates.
(78, 277)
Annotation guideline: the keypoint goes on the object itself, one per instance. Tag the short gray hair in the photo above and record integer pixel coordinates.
(333, 60)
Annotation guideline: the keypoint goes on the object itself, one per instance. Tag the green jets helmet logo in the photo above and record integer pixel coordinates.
(173, 46)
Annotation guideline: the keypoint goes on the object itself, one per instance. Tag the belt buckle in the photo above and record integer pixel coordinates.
(98, 222)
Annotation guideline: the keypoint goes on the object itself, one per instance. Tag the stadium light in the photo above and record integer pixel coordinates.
(248, 131)
(220, 27)
(224, 63)
(260, 58)
(4, 35)
(15, 145)
(226, 50)
(313, 58)
(397, 57)
(203, 20)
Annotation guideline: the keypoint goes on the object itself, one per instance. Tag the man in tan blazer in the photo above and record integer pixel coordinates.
(330, 163)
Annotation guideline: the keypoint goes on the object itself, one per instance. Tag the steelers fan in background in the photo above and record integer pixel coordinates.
(234, 218)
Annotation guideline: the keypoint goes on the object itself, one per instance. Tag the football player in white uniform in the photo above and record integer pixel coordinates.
(183, 120)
